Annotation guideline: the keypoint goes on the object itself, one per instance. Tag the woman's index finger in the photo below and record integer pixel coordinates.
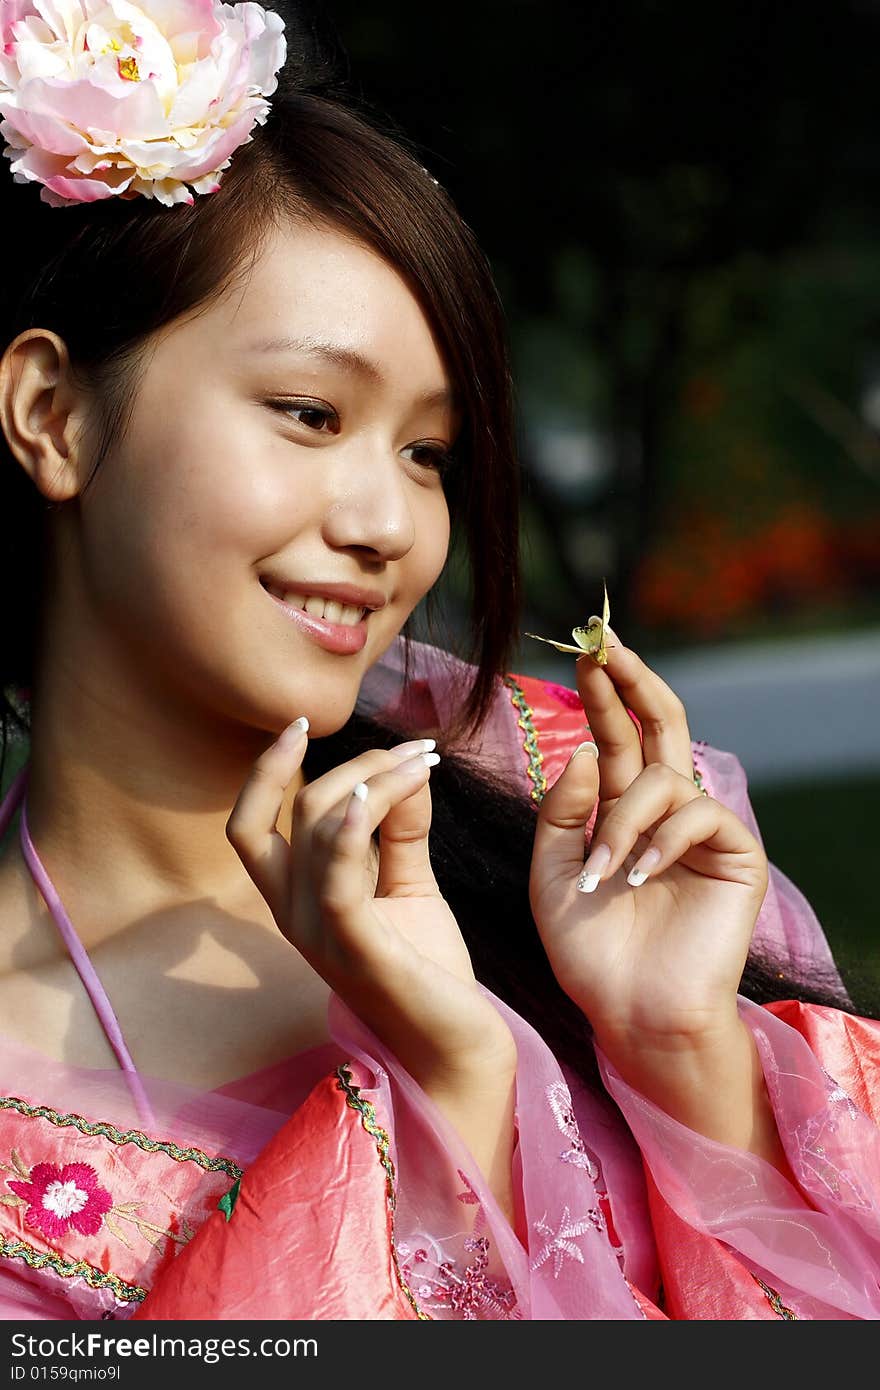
(665, 735)
(617, 737)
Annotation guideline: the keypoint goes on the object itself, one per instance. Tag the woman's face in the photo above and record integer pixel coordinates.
(311, 468)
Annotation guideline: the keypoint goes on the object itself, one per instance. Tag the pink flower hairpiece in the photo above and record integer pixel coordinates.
(107, 97)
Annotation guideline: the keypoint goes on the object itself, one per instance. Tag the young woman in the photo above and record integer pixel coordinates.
(302, 1017)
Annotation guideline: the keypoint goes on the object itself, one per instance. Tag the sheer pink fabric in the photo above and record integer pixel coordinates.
(588, 1232)
(817, 1245)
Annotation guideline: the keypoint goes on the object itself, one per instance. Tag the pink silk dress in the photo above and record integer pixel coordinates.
(329, 1185)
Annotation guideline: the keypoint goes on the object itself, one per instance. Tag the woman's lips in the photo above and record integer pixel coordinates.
(333, 637)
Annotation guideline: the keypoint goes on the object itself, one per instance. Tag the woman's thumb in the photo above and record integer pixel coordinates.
(404, 861)
(565, 810)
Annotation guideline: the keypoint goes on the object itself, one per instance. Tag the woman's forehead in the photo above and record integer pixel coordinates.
(319, 298)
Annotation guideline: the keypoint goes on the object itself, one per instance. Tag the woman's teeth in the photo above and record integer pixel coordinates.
(327, 608)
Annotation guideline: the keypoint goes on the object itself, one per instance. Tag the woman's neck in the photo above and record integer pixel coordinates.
(133, 810)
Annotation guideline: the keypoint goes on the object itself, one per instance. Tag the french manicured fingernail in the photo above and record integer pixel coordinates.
(639, 871)
(411, 765)
(355, 809)
(583, 747)
(293, 732)
(592, 871)
(415, 745)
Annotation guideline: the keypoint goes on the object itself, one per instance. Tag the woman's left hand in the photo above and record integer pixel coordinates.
(654, 967)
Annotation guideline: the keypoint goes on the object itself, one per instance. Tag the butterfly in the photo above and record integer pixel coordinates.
(589, 639)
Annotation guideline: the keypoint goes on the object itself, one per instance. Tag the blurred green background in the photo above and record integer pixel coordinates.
(681, 205)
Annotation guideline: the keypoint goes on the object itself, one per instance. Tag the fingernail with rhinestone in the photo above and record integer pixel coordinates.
(639, 872)
(592, 871)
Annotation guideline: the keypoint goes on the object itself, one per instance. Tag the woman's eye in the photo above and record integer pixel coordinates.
(315, 417)
(312, 416)
(432, 456)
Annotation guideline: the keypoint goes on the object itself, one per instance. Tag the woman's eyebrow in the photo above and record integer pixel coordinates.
(349, 359)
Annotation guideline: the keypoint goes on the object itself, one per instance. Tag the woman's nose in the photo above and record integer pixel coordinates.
(368, 506)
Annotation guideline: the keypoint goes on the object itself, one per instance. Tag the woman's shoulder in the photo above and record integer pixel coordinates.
(37, 986)
(40, 992)
(25, 935)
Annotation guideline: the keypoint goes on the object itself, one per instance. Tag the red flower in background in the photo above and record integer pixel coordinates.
(708, 573)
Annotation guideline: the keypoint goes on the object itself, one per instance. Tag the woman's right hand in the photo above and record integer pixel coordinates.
(392, 950)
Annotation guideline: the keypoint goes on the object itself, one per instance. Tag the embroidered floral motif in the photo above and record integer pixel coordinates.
(560, 1243)
(559, 1100)
(469, 1196)
(811, 1162)
(838, 1096)
(128, 1211)
(67, 1204)
(470, 1199)
(815, 1165)
(471, 1294)
(58, 1198)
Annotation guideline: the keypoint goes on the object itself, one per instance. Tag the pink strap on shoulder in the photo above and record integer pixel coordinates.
(86, 971)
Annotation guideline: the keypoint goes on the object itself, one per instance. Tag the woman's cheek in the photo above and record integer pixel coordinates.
(443, 533)
(434, 533)
(253, 506)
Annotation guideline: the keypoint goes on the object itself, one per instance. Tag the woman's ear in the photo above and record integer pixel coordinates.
(41, 413)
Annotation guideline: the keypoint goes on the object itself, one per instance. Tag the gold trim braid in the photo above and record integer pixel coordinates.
(70, 1269)
(102, 1128)
(526, 722)
(383, 1144)
(776, 1302)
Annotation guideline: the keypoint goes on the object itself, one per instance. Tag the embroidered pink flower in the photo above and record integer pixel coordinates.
(104, 97)
(470, 1199)
(471, 1294)
(59, 1198)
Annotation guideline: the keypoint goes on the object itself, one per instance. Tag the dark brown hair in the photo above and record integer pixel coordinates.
(107, 275)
